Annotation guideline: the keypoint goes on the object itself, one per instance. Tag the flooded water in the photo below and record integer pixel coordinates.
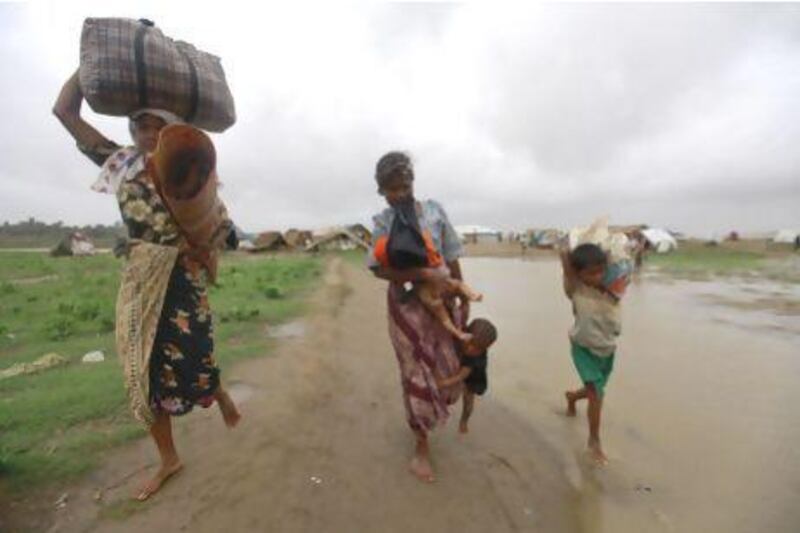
(701, 420)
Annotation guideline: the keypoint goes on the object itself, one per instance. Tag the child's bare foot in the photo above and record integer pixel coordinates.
(596, 453)
(230, 413)
(421, 467)
(571, 399)
(470, 294)
(463, 428)
(157, 481)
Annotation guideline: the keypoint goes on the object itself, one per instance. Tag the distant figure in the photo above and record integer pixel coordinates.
(797, 242)
(638, 253)
(474, 360)
(593, 335)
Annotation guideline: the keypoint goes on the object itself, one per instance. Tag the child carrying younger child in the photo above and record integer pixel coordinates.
(593, 336)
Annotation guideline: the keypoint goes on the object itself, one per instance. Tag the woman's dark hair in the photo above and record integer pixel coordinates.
(586, 256)
(483, 332)
(390, 165)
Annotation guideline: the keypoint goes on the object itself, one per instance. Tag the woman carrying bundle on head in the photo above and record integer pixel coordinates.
(166, 188)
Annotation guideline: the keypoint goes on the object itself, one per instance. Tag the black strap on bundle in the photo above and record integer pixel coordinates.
(194, 90)
(138, 56)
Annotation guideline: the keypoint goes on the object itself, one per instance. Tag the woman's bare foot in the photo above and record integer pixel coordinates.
(596, 453)
(463, 428)
(230, 413)
(421, 467)
(571, 399)
(157, 481)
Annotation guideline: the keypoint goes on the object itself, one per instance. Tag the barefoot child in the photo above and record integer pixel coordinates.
(593, 336)
(473, 356)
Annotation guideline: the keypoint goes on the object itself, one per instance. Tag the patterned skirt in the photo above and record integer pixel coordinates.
(183, 372)
(424, 349)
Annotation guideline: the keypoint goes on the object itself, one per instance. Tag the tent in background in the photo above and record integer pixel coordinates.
(660, 240)
(74, 244)
(786, 236)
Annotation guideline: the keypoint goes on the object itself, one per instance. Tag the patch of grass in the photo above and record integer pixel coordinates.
(54, 423)
(708, 261)
(354, 257)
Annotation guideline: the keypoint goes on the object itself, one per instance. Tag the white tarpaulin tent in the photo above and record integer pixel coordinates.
(74, 244)
(660, 240)
(786, 236)
(478, 234)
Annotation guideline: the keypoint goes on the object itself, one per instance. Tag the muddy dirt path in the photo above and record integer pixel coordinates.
(700, 424)
(323, 446)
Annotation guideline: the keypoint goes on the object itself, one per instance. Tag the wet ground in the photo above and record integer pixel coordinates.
(700, 421)
(700, 424)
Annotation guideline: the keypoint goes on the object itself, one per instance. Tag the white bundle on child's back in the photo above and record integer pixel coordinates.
(616, 245)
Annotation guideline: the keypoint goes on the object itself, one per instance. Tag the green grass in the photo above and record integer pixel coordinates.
(52, 424)
(708, 260)
(354, 257)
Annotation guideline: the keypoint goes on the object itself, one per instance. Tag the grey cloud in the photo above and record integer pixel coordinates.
(683, 115)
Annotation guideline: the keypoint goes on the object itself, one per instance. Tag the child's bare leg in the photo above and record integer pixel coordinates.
(421, 462)
(441, 313)
(572, 397)
(468, 402)
(439, 310)
(161, 431)
(465, 291)
(230, 413)
(593, 412)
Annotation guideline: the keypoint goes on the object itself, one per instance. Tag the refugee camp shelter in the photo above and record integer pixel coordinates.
(74, 244)
(544, 238)
(337, 239)
(786, 236)
(269, 241)
(660, 240)
(246, 245)
(473, 234)
(298, 239)
(360, 231)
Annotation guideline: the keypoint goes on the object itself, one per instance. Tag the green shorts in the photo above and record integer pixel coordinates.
(592, 368)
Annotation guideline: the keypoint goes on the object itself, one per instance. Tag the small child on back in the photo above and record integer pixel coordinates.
(593, 335)
(473, 355)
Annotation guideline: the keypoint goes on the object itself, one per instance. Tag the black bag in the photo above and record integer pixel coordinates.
(406, 246)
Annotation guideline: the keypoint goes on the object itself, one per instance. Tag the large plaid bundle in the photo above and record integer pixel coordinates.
(128, 65)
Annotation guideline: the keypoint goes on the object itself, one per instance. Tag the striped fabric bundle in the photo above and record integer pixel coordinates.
(128, 65)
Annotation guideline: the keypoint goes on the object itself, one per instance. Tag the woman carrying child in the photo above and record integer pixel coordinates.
(424, 348)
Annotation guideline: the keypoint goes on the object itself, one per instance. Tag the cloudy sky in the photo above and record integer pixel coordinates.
(682, 115)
